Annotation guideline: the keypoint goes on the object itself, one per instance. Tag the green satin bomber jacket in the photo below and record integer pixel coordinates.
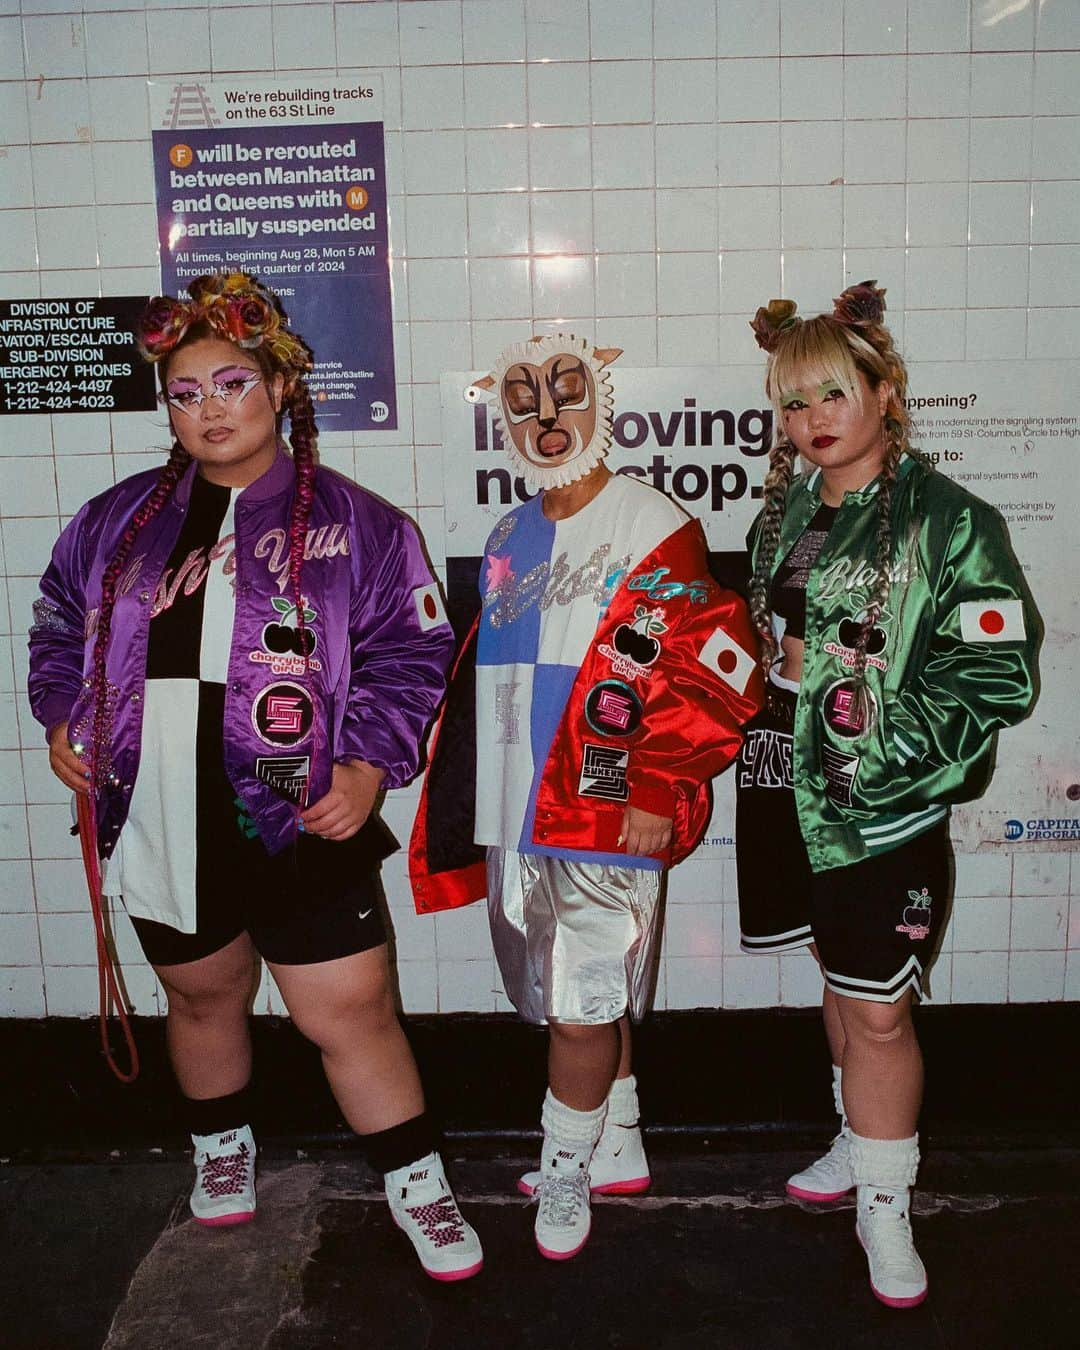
(952, 659)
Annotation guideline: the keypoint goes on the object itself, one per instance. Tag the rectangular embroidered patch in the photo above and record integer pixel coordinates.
(429, 606)
(603, 773)
(840, 769)
(724, 657)
(286, 774)
(992, 621)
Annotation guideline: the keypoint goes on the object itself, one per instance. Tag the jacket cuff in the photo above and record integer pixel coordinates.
(52, 711)
(654, 795)
(909, 741)
(369, 742)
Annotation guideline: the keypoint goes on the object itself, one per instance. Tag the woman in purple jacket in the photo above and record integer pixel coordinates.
(232, 657)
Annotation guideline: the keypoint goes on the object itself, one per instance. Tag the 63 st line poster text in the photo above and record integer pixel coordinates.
(288, 182)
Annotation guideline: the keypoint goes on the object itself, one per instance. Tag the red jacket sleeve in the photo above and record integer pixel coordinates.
(705, 685)
(657, 708)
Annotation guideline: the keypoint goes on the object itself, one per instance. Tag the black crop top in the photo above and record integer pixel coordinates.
(787, 596)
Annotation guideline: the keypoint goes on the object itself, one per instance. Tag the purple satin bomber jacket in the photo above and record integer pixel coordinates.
(376, 676)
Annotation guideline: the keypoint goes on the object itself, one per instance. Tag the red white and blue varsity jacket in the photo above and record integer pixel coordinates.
(607, 668)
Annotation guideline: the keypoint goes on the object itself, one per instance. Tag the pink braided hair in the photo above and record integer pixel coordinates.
(101, 734)
(302, 434)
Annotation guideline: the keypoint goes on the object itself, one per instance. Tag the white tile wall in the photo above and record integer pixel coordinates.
(650, 169)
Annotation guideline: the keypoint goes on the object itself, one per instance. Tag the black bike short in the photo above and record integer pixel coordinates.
(315, 901)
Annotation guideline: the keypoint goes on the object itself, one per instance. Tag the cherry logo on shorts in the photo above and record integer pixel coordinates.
(916, 922)
(283, 713)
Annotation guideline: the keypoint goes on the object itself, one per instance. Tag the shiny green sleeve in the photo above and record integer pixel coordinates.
(981, 670)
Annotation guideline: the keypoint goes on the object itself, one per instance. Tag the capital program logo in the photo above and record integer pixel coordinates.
(1014, 829)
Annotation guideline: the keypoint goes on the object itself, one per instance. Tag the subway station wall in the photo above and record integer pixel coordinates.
(644, 171)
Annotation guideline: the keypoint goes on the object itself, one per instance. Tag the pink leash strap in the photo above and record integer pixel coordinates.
(109, 996)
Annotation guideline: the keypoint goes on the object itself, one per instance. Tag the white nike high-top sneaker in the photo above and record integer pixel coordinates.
(884, 1173)
(618, 1165)
(423, 1207)
(830, 1176)
(563, 1217)
(224, 1177)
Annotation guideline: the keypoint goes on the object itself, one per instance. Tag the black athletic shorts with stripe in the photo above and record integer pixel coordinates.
(875, 923)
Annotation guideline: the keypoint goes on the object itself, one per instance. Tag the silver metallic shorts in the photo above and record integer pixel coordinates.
(575, 941)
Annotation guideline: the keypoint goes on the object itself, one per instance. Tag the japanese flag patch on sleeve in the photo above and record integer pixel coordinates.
(724, 657)
(429, 606)
(992, 621)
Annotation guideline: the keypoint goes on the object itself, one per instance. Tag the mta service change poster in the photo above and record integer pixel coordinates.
(287, 181)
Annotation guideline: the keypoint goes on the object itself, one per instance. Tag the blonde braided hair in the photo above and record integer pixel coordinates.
(831, 347)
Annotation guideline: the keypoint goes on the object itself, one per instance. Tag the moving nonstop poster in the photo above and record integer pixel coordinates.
(1005, 430)
(288, 182)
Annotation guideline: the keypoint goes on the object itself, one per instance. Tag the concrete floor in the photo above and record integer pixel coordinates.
(103, 1254)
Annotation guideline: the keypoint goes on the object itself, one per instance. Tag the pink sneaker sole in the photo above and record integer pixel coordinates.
(816, 1197)
(636, 1186)
(225, 1220)
(561, 1256)
(633, 1187)
(448, 1275)
(912, 1302)
(899, 1302)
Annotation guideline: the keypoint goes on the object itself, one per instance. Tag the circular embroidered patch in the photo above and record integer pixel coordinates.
(841, 710)
(282, 714)
(613, 709)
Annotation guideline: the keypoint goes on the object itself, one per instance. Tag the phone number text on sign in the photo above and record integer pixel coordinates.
(73, 355)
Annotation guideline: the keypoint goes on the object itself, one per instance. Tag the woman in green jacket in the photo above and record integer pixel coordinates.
(897, 637)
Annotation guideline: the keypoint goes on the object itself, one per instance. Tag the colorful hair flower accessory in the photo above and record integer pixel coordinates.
(861, 305)
(772, 321)
(234, 305)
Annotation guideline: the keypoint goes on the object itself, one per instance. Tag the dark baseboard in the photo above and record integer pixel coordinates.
(754, 1079)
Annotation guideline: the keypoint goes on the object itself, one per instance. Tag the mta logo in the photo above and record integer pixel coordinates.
(1014, 829)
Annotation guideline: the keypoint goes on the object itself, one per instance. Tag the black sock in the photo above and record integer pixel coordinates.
(387, 1150)
(215, 1115)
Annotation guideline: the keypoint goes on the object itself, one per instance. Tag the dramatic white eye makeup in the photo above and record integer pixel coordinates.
(229, 382)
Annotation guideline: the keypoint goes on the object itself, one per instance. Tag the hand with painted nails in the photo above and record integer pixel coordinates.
(644, 833)
(65, 763)
(353, 789)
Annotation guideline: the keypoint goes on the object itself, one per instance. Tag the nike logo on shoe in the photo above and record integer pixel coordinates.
(224, 1139)
(418, 1176)
(363, 913)
(883, 1198)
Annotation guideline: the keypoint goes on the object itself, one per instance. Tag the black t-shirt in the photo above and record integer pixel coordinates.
(787, 596)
